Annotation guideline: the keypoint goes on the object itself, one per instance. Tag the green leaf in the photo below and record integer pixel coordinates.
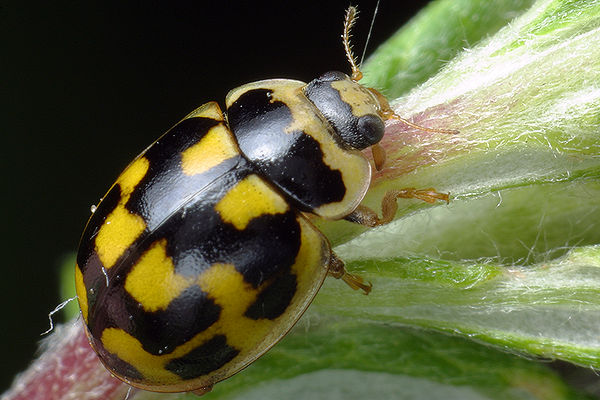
(549, 309)
(421, 47)
(344, 359)
(513, 260)
(524, 173)
(67, 286)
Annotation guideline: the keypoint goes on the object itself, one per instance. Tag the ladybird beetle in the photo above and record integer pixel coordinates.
(200, 257)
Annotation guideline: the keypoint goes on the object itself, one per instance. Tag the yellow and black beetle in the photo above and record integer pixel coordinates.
(200, 257)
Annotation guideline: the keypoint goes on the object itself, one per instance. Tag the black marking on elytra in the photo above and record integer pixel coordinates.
(163, 192)
(162, 185)
(121, 367)
(274, 299)
(165, 188)
(267, 247)
(191, 313)
(94, 281)
(293, 161)
(199, 238)
(180, 137)
(160, 332)
(204, 359)
(357, 132)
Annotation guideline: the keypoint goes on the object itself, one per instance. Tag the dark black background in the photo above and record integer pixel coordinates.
(86, 86)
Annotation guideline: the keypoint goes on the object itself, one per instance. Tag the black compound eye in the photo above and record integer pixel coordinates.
(370, 130)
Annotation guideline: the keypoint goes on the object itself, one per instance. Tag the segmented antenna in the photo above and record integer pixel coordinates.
(351, 16)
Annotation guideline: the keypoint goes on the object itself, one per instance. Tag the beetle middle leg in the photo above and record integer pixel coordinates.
(337, 269)
(365, 216)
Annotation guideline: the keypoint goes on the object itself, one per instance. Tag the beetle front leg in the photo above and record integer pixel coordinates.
(365, 216)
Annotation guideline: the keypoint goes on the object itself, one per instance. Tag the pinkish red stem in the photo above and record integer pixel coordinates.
(67, 368)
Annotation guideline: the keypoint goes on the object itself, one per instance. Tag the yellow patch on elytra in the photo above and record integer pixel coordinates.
(312, 262)
(215, 147)
(132, 175)
(121, 227)
(248, 199)
(81, 291)
(153, 281)
(227, 288)
(130, 350)
(119, 231)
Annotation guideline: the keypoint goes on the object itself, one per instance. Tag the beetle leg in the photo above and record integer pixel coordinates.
(202, 390)
(337, 269)
(365, 216)
(379, 156)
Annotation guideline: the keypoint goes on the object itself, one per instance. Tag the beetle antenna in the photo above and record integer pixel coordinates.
(369, 34)
(351, 16)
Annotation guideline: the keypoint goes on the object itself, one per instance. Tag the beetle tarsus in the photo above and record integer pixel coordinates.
(363, 215)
